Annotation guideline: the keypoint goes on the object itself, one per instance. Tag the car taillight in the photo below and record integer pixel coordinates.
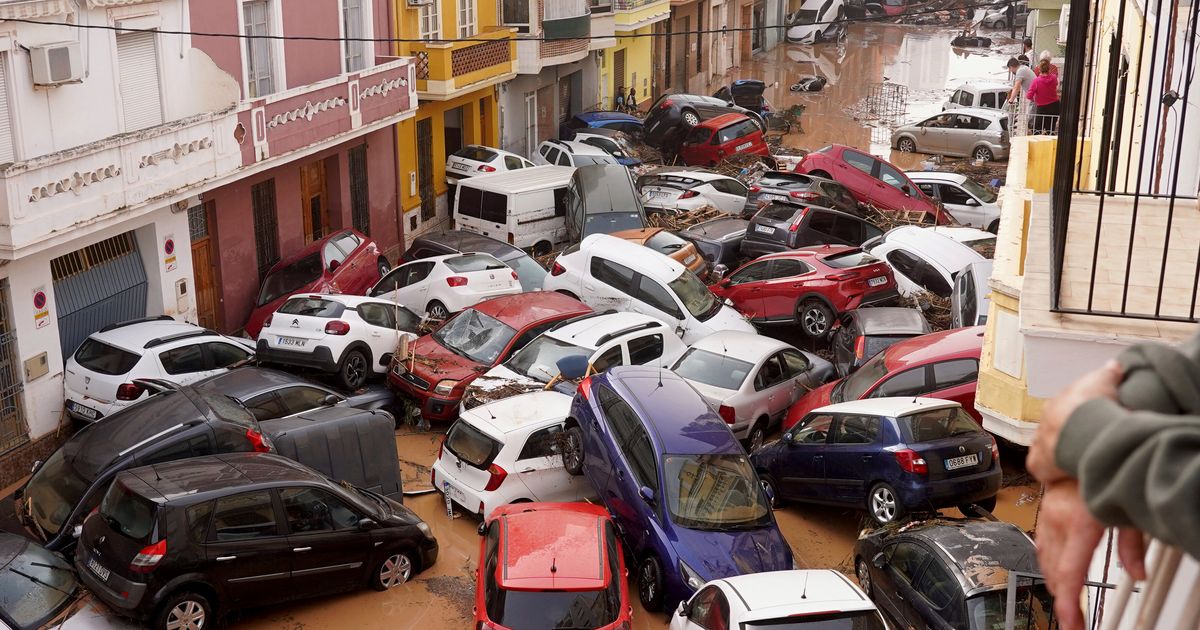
(795, 226)
(755, 188)
(149, 557)
(803, 194)
(665, 104)
(557, 270)
(727, 414)
(337, 327)
(995, 451)
(129, 391)
(441, 446)
(838, 277)
(456, 281)
(585, 388)
(497, 477)
(515, 276)
(267, 321)
(689, 194)
(911, 461)
(259, 442)
(860, 347)
(484, 168)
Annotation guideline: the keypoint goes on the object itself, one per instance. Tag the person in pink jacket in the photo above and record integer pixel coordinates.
(1044, 94)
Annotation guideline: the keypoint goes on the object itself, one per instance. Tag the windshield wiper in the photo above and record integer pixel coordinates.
(51, 566)
(37, 581)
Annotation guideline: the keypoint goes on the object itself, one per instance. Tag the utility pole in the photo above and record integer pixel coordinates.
(1012, 20)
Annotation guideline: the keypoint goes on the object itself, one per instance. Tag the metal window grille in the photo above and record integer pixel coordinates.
(425, 169)
(515, 13)
(266, 225)
(197, 222)
(355, 52)
(13, 430)
(81, 260)
(360, 208)
(259, 55)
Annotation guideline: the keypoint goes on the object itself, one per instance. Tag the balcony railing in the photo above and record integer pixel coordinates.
(601, 6)
(632, 5)
(445, 70)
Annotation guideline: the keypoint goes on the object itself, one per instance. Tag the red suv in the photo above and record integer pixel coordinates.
(718, 138)
(872, 180)
(550, 565)
(475, 340)
(938, 365)
(811, 286)
(343, 262)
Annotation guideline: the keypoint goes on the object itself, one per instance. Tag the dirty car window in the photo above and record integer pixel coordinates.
(478, 337)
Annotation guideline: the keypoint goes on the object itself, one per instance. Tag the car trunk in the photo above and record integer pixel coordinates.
(859, 271)
(301, 320)
(119, 531)
(947, 458)
(472, 452)
(774, 224)
(104, 369)
(481, 273)
(661, 192)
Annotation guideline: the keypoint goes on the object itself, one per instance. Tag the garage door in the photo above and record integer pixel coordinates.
(96, 286)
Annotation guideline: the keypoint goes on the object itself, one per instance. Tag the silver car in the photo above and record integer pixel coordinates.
(969, 302)
(973, 132)
(751, 379)
(972, 203)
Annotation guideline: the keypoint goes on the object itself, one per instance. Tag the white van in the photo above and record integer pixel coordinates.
(525, 208)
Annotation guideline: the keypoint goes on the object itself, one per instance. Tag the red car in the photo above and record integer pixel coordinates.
(872, 181)
(718, 138)
(343, 262)
(938, 365)
(550, 565)
(811, 286)
(472, 342)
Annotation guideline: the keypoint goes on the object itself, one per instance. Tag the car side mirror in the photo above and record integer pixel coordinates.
(973, 203)
(330, 400)
(367, 524)
(334, 264)
(907, 191)
(789, 438)
(682, 609)
(719, 270)
(879, 560)
(647, 494)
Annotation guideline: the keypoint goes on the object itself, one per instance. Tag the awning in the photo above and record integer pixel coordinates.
(32, 9)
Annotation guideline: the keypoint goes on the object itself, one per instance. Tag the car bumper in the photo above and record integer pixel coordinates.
(924, 494)
(123, 595)
(81, 408)
(886, 296)
(432, 407)
(481, 503)
(320, 358)
(429, 552)
(456, 302)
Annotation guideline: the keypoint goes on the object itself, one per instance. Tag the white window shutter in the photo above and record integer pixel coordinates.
(141, 97)
(6, 139)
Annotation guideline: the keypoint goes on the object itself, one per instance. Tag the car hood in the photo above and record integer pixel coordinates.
(435, 362)
(497, 384)
(725, 319)
(716, 555)
(818, 397)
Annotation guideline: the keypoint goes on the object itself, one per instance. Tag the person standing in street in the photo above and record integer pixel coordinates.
(1043, 91)
(631, 101)
(619, 101)
(1026, 56)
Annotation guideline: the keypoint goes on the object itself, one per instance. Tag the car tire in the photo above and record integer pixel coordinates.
(572, 454)
(650, 583)
(983, 154)
(988, 504)
(756, 436)
(906, 145)
(393, 570)
(689, 118)
(541, 248)
(353, 370)
(815, 319)
(994, 227)
(188, 610)
(437, 310)
(768, 481)
(383, 265)
(862, 571)
(883, 504)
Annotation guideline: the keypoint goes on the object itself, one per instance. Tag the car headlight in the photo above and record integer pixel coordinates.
(444, 386)
(424, 527)
(690, 577)
(398, 367)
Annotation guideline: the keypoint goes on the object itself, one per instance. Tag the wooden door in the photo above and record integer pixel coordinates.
(314, 200)
(619, 73)
(545, 115)
(204, 264)
(746, 25)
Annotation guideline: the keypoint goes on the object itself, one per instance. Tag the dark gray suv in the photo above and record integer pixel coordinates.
(780, 227)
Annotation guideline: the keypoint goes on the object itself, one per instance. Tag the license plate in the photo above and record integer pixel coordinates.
(689, 260)
(768, 197)
(459, 167)
(877, 282)
(454, 493)
(86, 412)
(955, 463)
(657, 194)
(292, 341)
(743, 146)
(99, 570)
(764, 229)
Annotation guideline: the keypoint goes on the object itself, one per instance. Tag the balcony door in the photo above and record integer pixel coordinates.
(315, 200)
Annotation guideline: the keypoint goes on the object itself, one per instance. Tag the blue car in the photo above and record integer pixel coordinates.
(618, 121)
(889, 456)
(680, 488)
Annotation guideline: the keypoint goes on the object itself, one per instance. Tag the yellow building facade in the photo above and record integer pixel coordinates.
(630, 63)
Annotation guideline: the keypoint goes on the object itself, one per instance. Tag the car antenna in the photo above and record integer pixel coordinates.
(804, 589)
(554, 565)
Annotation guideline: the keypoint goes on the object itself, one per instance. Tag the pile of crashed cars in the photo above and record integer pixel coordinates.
(642, 367)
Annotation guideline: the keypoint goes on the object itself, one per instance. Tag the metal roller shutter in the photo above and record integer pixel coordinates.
(6, 140)
(137, 58)
(96, 286)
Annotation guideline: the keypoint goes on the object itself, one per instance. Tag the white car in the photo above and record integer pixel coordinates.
(670, 190)
(607, 339)
(643, 281)
(751, 380)
(817, 21)
(508, 451)
(441, 285)
(971, 203)
(474, 159)
(571, 153)
(798, 599)
(969, 303)
(100, 374)
(923, 259)
(612, 141)
(350, 336)
(979, 93)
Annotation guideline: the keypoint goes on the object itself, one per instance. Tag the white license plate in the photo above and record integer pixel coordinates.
(743, 146)
(454, 493)
(764, 229)
(86, 412)
(955, 463)
(768, 197)
(292, 341)
(877, 282)
(100, 571)
(459, 167)
(658, 194)
(689, 260)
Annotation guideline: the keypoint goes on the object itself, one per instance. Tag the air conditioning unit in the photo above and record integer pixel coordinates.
(419, 3)
(1064, 20)
(55, 64)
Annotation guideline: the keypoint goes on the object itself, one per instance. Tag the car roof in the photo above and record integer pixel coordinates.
(717, 228)
(603, 116)
(936, 176)
(984, 84)
(465, 241)
(552, 549)
(958, 343)
(522, 309)
(983, 550)
(717, 122)
(890, 320)
(825, 590)
(640, 258)
(889, 407)
(982, 112)
(133, 337)
(492, 149)
(581, 148)
(514, 413)
(945, 249)
(250, 380)
(819, 252)
(346, 298)
(522, 180)
(191, 479)
(676, 414)
(738, 344)
(314, 247)
(588, 332)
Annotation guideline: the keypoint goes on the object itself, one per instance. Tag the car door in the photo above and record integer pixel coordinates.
(623, 505)
(786, 280)
(539, 467)
(358, 271)
(910, 382)
(187, 362)
(413, 288)
(962, 205)
(334, 258)
(852, 457)
(931, 136)
(939, 600)
(647, 350)
(801, 374)
(955, 380)
(773, 388)
(845, 337)
(729, 195)
(707, 610)
(963, 302)
(895, 192)
(802, 471)
(329, 549)
(855, 170)
(382, 335)
(608, 285)
(903, 562)
(653, 299)
(638, 453)
(745, 288)
(299, 399)
(247, 553)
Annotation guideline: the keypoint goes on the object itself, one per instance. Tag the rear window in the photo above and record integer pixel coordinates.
(587, 160)
(712, 369)
(555, 609)
(128, 513)
(665, 242)
(859, 620)
(778, 212)
(783, 179)
(471, 445)
(98, 356)
(848, 259)
(312, 307)
(938, 424)
(473, 262)
(479, 154)
(290, 279)
(985, 247)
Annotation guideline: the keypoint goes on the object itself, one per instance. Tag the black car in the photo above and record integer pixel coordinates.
(746, 93)
(186, 541)
(789, 187)
(530, 274)
(779, 227)
(865, 332)
(672, 115)
(951, 573)
(718, 240)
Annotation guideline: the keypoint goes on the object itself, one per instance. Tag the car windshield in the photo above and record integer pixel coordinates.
(850, 258)
(127, 513)
(696, 297)
(312, 307)
(479, 154)
(539, 359)
(34, 584)
(980, 192)
(665, 242)
(529, 273)
(853, 387)
(290, 279)
(105, 359)
(53, 491)
(807, 17)
(714, 492)
(1034, 611)
(937, 424)
(712, 369)
(985, 246)
(478, 337)
(784, 180)
(555, 609)
(857, 620)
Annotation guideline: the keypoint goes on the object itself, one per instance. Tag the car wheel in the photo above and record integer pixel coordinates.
(982, 153)
(994, 227)
(863, 573)
(541, 248)
(690, 118)
(392, 571)
(650, 584)
(815, 318)
(821, 174)
(185, 611)
(572, 454)
(906, 145)
(883, 504)
(768, 484)
(383, 265)
(988, 504)
(352, 373)
(758, 434)
(437, 310)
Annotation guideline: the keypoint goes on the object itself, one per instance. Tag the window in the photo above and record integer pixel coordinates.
(353, 28)
(957, 372)
(796, 363)
(856, 430)
(928, 189)
(223, 355)
(937, 585)
(966, 298)
(301, 398)
(770, 374)
(266, 229)
(988, 99)
(183, 360)
(430, 21)
(937, 424)
(612, 274)
(141, 95)
(864, 163)
(265, 406)
(194, 447)
(541, 443)
(645, 349)
(619, 416)
(919, 272)
(314, 510)
(360, 208)
(244, 517)
(494, 207)
(256, 16)
(813, 430)
(709, 609)
(198, 517)
(822, 222)
(955, 195)
(382, 315)
(611, 357)
(963, 97)
(906, 558)
(847, 230)
(415, 273)
(105, 359)
(640, 454)
(698, 135)
(513, 163)
(466, 18)
(906, 383)
(470, 201)
(657, 297)
(515, 13)
(891, 176)
(753, 272)
(7, 152)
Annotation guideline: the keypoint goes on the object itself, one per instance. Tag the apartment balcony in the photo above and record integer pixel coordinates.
(448, 70)
(632, 15)
(565, 29)
(604, 26)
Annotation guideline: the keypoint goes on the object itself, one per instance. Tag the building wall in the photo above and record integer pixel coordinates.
(512, 102)
(639, 64)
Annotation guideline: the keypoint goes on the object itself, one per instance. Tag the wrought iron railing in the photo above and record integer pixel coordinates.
(630, 5)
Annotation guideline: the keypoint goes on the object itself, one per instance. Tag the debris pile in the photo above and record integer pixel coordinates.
(936, 308)
(683, 220)
(485, 390)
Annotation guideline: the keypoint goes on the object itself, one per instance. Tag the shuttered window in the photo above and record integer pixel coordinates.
(141, 96)
(352, 26)
(6, 140)
(259, 79)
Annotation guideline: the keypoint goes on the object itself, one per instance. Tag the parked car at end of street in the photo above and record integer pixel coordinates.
(796, 188)
(672, 116)
(672, 189)
(969, 302)
(613, 142)
(979, 93)
(973, 204)
(817, 21)
(716, 139)
(718, 240)
(524, 208)
(747, 93)
(924, 259)
(780, 227)
(619, 121)
(668, 244)
(999, 18)
(344, 262)
(474, 159)
(443, 285)
(601, 199)
(101, 377)
(571, 153)
(873, 181)
(430, 244)
(809, 287)
(865, 332)
(977, 133)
